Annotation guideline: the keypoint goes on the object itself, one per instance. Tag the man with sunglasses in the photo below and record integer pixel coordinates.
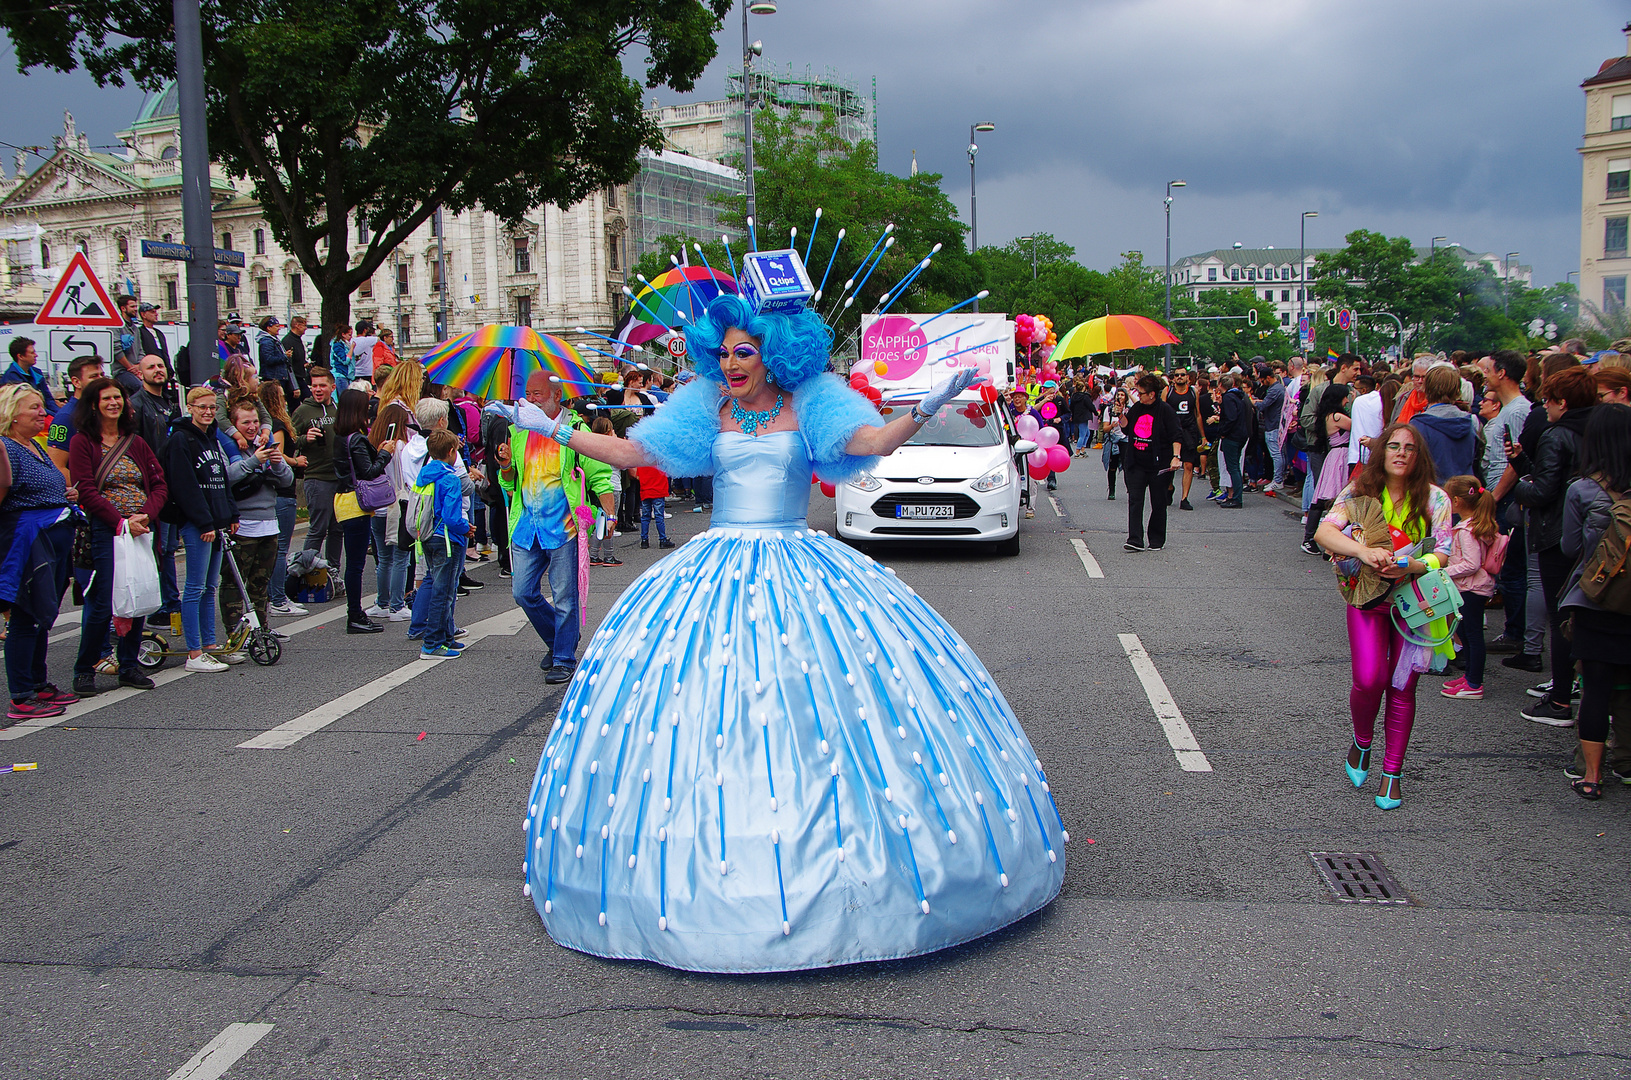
(1193, 410)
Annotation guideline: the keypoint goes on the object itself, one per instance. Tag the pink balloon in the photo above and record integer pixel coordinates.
(1038, 457)
(1047, 437)
(1027, 427)
(1058, 458)
(1049, 410)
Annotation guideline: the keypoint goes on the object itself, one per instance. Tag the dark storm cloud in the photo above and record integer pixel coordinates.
(1424, 118)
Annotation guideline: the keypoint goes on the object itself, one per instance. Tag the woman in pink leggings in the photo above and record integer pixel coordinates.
(1401, 476)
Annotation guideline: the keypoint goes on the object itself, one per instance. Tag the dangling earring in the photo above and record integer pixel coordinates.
(770, 380)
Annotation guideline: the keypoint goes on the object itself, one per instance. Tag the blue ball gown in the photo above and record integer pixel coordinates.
(775, 756)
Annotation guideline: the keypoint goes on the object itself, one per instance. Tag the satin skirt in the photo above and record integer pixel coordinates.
(776, 756)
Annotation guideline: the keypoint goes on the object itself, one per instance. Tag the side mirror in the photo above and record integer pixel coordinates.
(1024, 446)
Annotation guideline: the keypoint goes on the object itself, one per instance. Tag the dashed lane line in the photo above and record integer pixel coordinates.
(1181, 739)
(1054, 502)
(1089, 563)
(287, 734)
(222, 1052)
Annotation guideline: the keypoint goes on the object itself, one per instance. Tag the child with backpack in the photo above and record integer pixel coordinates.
(436, 521)
(1476, 550)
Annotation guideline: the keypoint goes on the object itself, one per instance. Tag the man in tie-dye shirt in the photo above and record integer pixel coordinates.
(540, 479)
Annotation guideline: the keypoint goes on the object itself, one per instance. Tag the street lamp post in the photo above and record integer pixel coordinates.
(1302, 271)
(1506, 277)
(1167, 361)
(1432, 251)
(973, 202)
(1032, 241)
(749, 51)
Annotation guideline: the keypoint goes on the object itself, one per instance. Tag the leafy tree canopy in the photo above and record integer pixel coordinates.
(384, 111)
(1213, 342)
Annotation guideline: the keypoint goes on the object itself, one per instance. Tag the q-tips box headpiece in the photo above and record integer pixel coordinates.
(775, 281)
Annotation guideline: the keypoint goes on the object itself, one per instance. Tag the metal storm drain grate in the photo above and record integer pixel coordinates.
(1358, 877)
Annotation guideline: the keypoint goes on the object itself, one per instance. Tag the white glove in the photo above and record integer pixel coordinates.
(945, 390)
(525, 415)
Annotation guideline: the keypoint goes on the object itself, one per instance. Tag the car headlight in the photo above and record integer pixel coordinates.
(865, 482)
(992, 480)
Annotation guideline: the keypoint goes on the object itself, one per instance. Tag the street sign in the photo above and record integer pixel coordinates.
(65, 346)
(1345, 319)
(226, 277)
(1305, 333)
(164, 249)
(79, 299)
(228, 257)
(676, 346)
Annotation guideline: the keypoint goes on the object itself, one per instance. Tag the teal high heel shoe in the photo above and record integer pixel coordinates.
(1359, 775)
(1382, 801)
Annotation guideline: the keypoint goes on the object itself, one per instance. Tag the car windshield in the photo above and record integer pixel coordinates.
(956, 424)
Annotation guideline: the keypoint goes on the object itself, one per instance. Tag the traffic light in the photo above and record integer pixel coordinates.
(1251, 317)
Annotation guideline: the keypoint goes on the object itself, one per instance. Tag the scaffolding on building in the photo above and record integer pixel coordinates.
(806, 95)
(676, 194)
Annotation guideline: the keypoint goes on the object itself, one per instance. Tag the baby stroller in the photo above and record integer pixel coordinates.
(249, 635)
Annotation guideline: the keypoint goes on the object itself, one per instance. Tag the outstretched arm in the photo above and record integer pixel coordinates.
(619, 453)
(883, 441)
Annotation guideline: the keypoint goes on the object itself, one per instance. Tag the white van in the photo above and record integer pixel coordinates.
(956, 480)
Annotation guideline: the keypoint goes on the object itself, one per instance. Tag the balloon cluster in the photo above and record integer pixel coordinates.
(863, 385)
(1049, 456)
(1034, 330)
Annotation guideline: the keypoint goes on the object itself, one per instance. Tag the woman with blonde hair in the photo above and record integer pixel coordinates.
(393, 548)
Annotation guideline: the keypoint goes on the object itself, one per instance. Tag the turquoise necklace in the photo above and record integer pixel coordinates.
(751, 421)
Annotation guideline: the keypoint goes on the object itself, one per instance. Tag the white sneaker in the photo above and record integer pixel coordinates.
(288, 607)
(376, 612)
(205, 662)
(401, 615)
(280, 635)
(232, 657)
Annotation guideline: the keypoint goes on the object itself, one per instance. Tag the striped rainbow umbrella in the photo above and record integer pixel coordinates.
(1111, 333)
(495, 361)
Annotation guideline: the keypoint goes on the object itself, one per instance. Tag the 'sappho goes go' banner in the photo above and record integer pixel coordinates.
(912, 352)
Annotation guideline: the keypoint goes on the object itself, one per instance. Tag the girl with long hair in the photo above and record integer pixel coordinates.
(355, 458)
(1329, 433)
(1474, 534)
(393, 548)
(1400, 476)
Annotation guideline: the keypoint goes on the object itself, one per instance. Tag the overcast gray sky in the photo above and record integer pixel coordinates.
(1456, 118)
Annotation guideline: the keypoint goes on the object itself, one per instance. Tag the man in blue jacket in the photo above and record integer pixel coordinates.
(1450, 432)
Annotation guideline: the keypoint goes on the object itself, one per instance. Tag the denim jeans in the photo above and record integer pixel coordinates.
(1276, 455)
(203, 581)
(26, 639)
(285, 534)
(650, 508)
(554, 617)
(423, 612)
(1472, 637)
(704, 488)
(94, 620)
(167, 541)
(391, 565)
(1514, 576)
(441, 585)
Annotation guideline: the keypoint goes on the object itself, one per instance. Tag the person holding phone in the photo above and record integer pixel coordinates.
(253, 479)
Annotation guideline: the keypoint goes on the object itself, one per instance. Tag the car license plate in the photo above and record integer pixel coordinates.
(921, 512)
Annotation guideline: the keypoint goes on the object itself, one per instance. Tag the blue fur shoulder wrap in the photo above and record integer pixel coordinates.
(679, 436)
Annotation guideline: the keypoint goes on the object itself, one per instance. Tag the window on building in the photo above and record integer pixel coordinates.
(1268, 294)
(167, 238)
(402, 279)
(1310, 296)
(260, 241)
(403, 325)
(1613, 293)
(83, 246)
(1285, 296)
(1620, 113)
(263, 292)
(297, 291)
(123, 246)
(523, 311)
(362, 228)
(1299, 296)
(612, 261)
(172, 294)
(1234, 273)
(226, 241)
(366, 289)
(1619, 178)
(169, 153)
(1614, 237)
(1211, 273)
(1285, 318)
(436, 275)
(232, 298)
(611, 197)
(1251, 273)
(523, 256)
(45, 255)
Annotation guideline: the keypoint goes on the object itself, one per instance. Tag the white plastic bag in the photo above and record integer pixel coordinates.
(135, 576)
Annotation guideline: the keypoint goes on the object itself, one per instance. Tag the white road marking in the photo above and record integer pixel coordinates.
(1182, 740)
(1058, 513)
(125, 693)
(287, 734)
(222, 1052)
(1089, 563)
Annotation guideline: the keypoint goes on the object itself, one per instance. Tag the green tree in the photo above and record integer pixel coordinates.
(799, 167)
(383, 112)
(1213, 342)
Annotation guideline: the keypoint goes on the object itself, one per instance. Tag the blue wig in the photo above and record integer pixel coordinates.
(795, 346)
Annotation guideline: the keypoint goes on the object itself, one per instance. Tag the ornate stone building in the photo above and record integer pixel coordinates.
(554, 269)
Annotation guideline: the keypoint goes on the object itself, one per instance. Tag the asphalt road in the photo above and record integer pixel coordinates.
(359, 891)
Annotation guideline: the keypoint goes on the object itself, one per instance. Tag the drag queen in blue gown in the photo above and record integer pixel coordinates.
(774, 754)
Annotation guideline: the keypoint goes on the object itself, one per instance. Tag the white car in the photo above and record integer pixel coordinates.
(957, 479)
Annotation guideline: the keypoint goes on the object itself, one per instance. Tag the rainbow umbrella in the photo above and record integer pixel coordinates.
(494, 362)
(674, 298)
(1109, 334)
